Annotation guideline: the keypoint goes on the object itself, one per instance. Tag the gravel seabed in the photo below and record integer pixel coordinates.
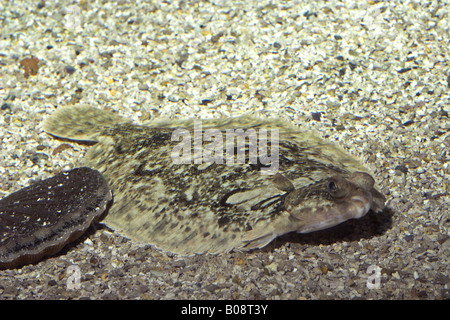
(372, 76)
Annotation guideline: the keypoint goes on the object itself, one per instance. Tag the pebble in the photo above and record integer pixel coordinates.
(179, 263)
(69, 69)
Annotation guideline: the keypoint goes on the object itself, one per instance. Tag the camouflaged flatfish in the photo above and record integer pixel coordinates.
(212, 207)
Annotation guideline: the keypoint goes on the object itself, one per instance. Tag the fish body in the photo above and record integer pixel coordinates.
(181, 186)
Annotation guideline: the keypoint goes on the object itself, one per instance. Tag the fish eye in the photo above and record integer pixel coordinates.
(332, 187)
(338, 187)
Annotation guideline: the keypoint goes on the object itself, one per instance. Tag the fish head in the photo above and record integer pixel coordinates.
(332, 201)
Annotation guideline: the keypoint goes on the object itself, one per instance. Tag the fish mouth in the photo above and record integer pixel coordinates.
(332, 214)
(331, 217)
(362, 206)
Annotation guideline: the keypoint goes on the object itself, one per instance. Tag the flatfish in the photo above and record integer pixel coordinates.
(217, 185)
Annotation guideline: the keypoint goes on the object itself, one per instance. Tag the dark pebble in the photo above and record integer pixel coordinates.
(179, 264)
(107, 54)
(10, 291)
(38, 157)
(407, 123)
(309, 14)
(205, 102)
(402, 168)
(88, 276)
(211, 287)
(316, 115)
(216, 37)
(403, 70)
(110, 296)
(69, 69)
(52, 283)
(409, 238)
(6, 106)
(352, 65)
(445, 294)
(93, 261)
(422, 294)
(442, 279)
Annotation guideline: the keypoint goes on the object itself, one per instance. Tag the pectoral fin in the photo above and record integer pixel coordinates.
(266, 231)
(256, 239)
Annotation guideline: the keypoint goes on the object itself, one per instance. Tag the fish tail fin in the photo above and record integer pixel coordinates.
(81, 122)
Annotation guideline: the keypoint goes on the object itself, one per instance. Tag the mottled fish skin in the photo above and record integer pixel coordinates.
(215, 208)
